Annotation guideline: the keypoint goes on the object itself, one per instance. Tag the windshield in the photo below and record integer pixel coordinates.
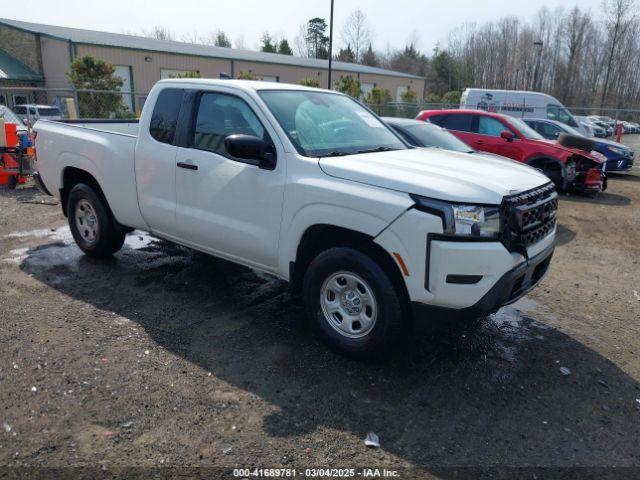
(430, 135)
(9, 116)
(325, 124)
(525, 130)
(571, 131)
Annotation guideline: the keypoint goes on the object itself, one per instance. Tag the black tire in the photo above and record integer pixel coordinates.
(108, 237)
(573, 141)
(12, 182)
(389, 322)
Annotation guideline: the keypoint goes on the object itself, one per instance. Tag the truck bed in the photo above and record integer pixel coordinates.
(106, 149)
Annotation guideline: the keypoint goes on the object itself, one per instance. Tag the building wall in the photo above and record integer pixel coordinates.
(146, 67)
(21, 45)
(56, 62)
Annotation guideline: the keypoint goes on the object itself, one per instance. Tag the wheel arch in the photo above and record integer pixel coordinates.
(321, 237)
(72, 176)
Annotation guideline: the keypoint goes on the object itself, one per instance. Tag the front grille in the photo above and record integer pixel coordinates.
(528, 217)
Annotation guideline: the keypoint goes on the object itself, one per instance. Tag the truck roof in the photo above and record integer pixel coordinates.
(241, 84)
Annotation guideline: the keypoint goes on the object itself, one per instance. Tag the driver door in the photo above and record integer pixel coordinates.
(224, 205)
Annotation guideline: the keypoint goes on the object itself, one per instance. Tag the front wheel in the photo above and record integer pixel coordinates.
(93, 228)
(352, 303)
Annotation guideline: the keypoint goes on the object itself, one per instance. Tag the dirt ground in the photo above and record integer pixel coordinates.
(163, 358)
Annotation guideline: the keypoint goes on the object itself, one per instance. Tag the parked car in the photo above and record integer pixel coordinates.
(422, 134)
(598, 131)
(569, 168)
(29, 114)
(607, 125)
(519, 104)
(310, 186)
(619, 157)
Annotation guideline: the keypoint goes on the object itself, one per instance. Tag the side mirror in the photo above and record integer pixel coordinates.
(248, 147)
(507, 135)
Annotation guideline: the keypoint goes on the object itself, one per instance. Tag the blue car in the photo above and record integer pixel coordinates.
(619, 156)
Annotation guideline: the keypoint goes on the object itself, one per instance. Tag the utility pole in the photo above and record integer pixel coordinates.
(330, 45)
(538, 44)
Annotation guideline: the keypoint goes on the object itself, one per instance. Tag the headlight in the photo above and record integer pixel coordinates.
(619, 151)
(467, 220)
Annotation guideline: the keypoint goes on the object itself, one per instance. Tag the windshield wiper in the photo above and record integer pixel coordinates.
(335, 154)
(377, 149)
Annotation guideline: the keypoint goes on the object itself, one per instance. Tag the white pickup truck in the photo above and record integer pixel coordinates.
(312, 187)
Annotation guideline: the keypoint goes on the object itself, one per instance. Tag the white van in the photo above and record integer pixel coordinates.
(520, 104)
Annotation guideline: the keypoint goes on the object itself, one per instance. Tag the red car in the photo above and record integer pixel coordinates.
(569, 168)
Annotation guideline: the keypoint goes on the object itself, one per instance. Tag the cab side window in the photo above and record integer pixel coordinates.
(164, 119)
(491, 126)
(220, 115)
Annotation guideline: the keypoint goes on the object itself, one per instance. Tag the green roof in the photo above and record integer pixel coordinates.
(13, 69)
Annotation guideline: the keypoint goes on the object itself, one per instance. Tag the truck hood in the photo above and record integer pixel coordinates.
(437, 173)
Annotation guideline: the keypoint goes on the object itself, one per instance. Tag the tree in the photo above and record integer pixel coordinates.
(268, 45)
(313, 41)
(356, 33)
(310, 82)
(88, 73)
(452, 98)
(370, 58)
(346, 55)
(409, 60)
(376, 98)
(188, 74)
(159, 33)
(408, 96)
(617, 13)
(221, 39)
(349, 85)
(284, 48)
(247, 76)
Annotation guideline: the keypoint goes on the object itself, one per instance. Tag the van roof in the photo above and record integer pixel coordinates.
(510, 92)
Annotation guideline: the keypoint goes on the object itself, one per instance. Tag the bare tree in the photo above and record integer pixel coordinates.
(159, 33)
(356, 33)
(617, 13)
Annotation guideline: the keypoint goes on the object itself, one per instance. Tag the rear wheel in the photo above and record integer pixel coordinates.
(352, 303)
(12, 182)
(93, 228)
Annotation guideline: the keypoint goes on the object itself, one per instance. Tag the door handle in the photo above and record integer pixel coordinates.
(479, 142)
(188, 166)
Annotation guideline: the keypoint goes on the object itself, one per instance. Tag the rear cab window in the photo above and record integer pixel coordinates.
(164, 118)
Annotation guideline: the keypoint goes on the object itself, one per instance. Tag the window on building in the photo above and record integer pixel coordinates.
(165, 115)
(366, 88)
(3, 100)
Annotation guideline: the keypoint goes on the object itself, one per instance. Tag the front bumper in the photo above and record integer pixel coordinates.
(512, 286)
(454, 275)
(593, 180)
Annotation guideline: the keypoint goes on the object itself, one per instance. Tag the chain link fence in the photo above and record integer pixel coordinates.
(105, 104)
(70, 103)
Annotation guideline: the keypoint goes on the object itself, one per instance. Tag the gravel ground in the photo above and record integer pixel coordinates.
(163, 358)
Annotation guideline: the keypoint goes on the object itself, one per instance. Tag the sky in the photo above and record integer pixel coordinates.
(393, 22)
